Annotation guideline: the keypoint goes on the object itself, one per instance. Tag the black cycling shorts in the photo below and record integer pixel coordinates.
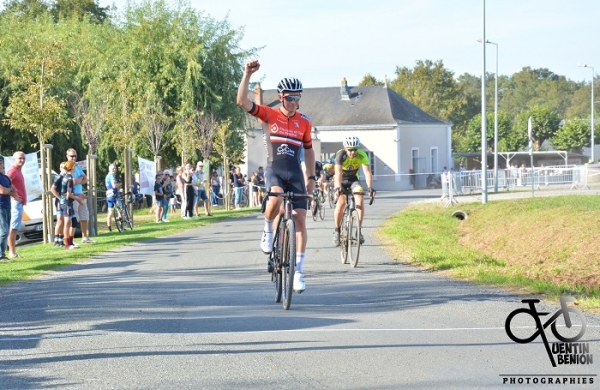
(352, 184)
(288, 176)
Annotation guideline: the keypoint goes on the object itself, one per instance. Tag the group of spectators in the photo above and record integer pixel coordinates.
(184, 190)
(71, 207)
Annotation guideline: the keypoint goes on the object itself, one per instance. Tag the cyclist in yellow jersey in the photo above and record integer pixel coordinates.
(327, 176)
(347, 163)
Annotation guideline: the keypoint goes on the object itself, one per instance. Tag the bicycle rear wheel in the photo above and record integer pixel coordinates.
(354, 238)
(118, 220)
(288, 260)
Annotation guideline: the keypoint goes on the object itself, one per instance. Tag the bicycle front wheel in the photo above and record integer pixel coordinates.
(330, 198)
(314, 208)
(288, 260)
(127, 221)
(275, 259)
(118, 220)
(321, 210)
(354, 238)
(344, 239)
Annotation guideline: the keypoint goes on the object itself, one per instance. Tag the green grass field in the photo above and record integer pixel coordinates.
(545, 246)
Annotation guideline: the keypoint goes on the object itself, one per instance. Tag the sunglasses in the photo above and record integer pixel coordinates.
(75, 156)
(351, 149)
(292, 98)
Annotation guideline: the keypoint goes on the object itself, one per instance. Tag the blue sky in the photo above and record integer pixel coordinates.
(322, 41)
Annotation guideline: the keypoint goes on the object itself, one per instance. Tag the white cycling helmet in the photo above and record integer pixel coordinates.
(351, 142)
(289, 84)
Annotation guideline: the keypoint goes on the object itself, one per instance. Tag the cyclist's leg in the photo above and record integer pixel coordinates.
(357, 187)
(339, 207)
(110, 207)
(296, 185)
(272, 209)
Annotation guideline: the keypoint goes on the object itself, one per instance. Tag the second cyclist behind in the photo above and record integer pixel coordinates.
(289, 131)
(347, 163)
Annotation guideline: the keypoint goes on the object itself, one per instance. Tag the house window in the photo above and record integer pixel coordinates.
(371, 162)
(434, 160)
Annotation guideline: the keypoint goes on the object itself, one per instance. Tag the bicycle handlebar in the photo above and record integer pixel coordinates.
(371, 195)
(289, 195)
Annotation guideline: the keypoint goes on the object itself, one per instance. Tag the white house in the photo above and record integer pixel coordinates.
(399, 137)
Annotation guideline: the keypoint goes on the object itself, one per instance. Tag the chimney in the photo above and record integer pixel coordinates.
(345, 91)
(258, 94)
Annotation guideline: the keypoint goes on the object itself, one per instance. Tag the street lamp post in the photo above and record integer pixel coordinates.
(484, 188)
(495, 118)
(592, 110)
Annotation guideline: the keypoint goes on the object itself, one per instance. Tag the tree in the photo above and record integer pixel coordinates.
(471, 142)
(432, 88)
(81, 9)
(156, 125)
(35, 104)
(370, 81)
(545, 124)
(573, 136)
(536, 87)
(30, 9)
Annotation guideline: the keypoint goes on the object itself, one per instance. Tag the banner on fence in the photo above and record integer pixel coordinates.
(147, 176)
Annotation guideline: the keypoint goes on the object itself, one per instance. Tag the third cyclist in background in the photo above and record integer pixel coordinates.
(347, 163)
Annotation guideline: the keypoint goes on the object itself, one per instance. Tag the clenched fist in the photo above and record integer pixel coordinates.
(252, 66)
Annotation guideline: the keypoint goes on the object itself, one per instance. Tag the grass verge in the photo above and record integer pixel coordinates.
(42, 258)
(545, 246)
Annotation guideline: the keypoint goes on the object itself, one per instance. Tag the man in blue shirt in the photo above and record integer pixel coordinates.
(112, 191)
(81, 209)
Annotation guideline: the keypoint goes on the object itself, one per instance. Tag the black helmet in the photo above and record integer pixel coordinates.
(289, 84)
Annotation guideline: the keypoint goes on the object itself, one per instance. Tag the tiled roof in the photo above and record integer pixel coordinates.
(374, 105)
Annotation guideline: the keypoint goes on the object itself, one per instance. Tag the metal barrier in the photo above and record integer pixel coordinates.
(515, 178)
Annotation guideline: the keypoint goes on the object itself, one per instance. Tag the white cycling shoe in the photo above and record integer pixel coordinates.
(266, 243)
(299, 284)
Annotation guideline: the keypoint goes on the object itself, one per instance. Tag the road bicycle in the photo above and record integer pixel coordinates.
(330, 194)
(231, 197)
(350, 230)
(123, 219)
(572, 326)
(316, 205)
(282, 259)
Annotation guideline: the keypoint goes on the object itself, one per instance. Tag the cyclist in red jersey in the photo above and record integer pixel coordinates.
(288, 132)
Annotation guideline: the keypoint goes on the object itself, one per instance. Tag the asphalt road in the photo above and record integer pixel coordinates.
(196, 311)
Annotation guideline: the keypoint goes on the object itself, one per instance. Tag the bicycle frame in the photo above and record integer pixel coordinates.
(283, 255)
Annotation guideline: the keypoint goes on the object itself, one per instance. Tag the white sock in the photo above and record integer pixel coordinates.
(268, 226)
(300, 261)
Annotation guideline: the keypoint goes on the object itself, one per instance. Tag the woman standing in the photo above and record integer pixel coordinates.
(216, 188)
(187, 174)
(238, 184)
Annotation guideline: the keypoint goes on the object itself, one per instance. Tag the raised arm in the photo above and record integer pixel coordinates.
(242, 95)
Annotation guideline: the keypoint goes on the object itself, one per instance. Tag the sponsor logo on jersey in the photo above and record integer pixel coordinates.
(296, 124)
(274, 128)
(285, 149)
